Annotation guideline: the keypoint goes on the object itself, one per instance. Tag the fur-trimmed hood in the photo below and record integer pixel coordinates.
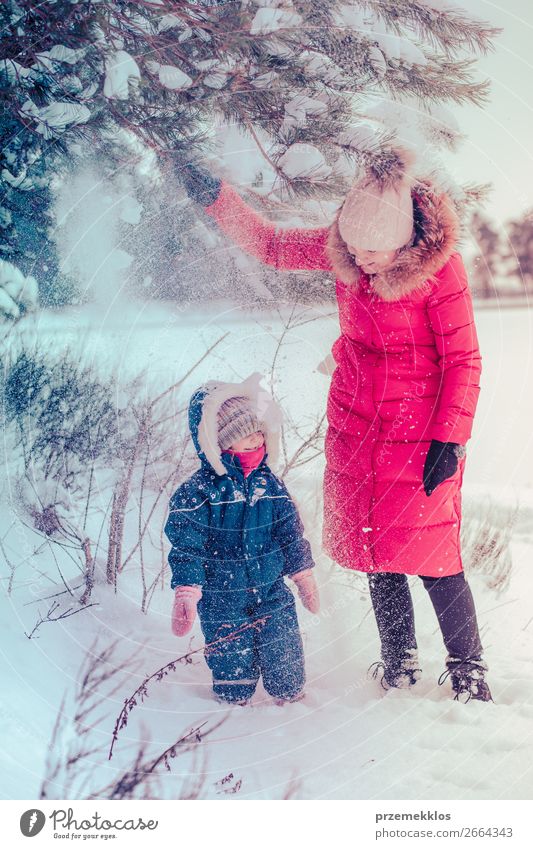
(436, 234)
(203, 409)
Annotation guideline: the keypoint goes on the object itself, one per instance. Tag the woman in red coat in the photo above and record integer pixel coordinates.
(401, 402)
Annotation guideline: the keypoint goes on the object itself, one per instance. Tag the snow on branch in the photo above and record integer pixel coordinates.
(18, 293)
(445, 24)
(290, 74)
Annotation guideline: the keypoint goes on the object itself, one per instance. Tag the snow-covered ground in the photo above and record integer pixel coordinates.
(348, 739)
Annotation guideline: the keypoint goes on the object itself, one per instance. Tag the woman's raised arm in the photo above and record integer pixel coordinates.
(289, 248)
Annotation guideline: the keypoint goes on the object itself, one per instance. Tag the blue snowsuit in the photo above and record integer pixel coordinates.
(237, 537)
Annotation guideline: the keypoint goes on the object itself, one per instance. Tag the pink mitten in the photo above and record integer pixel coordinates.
(184, 611)
(307, 589)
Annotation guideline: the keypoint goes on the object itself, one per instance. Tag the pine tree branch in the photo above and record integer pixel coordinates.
(452, 30)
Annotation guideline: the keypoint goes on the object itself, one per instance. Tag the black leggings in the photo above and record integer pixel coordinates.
(452, 599)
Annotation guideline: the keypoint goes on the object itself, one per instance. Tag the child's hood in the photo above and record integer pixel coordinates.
(203, 410)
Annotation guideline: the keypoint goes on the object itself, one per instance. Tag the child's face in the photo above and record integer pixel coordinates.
(249, 443)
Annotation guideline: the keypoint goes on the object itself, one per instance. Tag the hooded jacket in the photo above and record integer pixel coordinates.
(407, 372)
(234, 535)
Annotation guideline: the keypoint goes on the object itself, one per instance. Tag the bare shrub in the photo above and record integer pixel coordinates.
(90, 448)
(141, 692)
(78, 745)
(486, 534)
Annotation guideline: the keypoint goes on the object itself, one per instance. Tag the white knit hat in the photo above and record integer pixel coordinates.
(377, 214)
(236, 420)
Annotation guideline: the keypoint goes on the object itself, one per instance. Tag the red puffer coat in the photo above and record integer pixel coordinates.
(408, 368)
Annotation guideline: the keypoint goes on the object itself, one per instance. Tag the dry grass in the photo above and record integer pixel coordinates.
(486, 536)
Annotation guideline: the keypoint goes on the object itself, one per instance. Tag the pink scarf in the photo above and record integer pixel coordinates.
(249, 459)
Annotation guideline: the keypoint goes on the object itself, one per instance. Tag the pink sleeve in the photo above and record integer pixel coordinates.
(286, 249)
(452, 320)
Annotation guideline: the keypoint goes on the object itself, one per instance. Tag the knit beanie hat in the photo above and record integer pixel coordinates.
(377, 214)
(237, 418)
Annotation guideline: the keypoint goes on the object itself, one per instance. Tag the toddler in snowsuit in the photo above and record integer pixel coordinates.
(235, 534)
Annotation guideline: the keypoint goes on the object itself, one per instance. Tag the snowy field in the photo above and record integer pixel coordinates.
(348, 739)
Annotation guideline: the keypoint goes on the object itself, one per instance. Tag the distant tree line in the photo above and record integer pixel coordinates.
(503, 262)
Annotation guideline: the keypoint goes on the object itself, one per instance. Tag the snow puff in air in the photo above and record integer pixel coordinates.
(120, 69)
(304, 160)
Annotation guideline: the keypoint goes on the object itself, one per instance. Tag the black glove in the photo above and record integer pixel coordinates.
(199, 184)
(441, 463)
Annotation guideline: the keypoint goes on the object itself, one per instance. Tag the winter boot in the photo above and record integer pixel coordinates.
(468, 679)
(231, 702)
(401, 671)
(296, 698)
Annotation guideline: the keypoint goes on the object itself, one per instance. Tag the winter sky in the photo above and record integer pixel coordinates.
(498, 145)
